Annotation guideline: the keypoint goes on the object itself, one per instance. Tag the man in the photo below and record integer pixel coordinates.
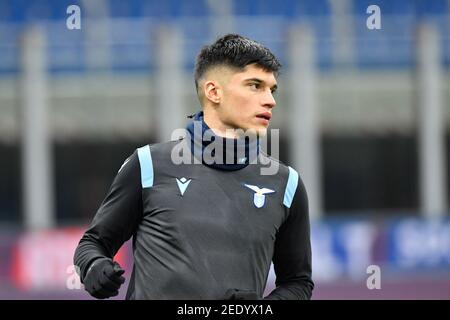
(207, 229)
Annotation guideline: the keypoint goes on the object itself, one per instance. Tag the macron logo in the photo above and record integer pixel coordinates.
(183, 184)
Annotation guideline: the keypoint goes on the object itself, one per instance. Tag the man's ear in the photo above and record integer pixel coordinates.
(212, 91)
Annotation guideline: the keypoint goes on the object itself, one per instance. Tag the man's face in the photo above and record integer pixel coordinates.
(247, 99)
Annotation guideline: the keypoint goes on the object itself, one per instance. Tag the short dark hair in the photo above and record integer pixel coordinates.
(236, 51)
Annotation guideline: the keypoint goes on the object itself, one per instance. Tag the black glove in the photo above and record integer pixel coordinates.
(104, 278)
(237, 294)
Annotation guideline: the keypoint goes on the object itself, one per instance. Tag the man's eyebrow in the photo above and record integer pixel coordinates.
(274, 87)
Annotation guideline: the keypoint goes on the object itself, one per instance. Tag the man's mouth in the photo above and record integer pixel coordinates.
(265, 115)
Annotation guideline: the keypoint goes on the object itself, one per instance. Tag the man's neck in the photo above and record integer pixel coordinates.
(235, 153)
(218, 127)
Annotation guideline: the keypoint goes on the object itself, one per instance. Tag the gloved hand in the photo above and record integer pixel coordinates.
(237, 294)
(104, 278)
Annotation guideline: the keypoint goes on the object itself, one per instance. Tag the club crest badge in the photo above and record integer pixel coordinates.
(259, 196)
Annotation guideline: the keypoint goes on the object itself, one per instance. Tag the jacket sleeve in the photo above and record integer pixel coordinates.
(292, 252)
(116, 220)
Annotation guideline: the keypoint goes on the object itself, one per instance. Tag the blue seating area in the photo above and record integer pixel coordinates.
(25, 10)
(130, 50)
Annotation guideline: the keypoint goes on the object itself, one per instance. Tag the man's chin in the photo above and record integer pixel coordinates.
(261, 132)
(257, 131)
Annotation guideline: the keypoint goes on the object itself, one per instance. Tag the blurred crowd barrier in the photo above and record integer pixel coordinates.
(412, 255)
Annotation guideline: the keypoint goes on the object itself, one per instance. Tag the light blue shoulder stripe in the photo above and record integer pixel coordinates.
(290, 187)
(146, 163)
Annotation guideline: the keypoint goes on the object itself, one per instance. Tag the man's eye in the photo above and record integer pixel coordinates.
(255, 86)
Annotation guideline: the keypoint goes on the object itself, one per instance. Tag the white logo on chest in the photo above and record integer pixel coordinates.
(183, 184)
(259, 198)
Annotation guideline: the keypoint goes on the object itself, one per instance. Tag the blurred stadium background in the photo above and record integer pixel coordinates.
(364, 117)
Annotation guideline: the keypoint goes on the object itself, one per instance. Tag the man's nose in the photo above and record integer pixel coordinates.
(269, 100)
